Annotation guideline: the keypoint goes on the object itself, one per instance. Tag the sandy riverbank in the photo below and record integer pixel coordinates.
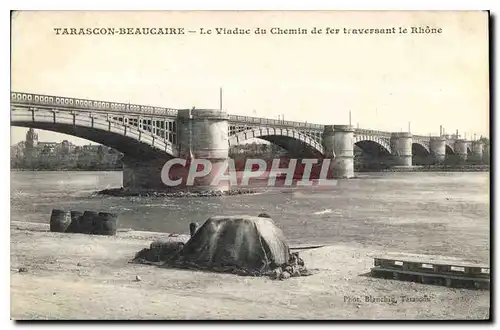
(75, 276)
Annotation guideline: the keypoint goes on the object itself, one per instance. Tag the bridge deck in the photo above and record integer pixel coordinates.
(62, 103)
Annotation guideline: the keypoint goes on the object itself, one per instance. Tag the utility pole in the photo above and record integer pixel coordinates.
(349, 117)
(409, 130)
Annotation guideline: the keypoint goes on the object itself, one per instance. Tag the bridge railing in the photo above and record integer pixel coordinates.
(123, 108)
(75, 103)
(360, 131)
(421, 137)
(274, 122)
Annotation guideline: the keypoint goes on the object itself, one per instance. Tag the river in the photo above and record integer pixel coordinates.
(429, 213)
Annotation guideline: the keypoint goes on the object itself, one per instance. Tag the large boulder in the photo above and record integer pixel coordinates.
(241, 244)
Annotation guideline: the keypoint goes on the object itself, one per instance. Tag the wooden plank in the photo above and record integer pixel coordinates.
(389, 270)
(431, 278)
(430, 260)
(400, 261)
(306, 247)
(428, 267)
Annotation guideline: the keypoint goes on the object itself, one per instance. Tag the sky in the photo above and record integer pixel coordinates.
(385, 81)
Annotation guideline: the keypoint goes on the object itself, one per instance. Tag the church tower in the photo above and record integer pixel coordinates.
(31, 143)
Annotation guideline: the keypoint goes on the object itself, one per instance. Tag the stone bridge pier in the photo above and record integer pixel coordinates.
(338, 143)
(401, 146)
(203, 138)
(461, 149)
(477, 151)
(437, 148)
(202, 141)
(143, 174)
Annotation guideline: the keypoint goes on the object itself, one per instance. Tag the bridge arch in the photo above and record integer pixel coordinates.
(372, 144)
(130, 140)
(419, 149)
(287, 138)
(421, 146)
(449, 149)
(373, 148)
(375, 153)
(420, 153)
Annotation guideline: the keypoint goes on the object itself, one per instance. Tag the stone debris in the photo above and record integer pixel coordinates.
(123, 192)
(295, 267)
(157, 256)
(285, 275)
(23, 270)
(159, 251)
(138, 278)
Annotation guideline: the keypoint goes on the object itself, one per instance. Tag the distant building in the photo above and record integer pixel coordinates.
(257, 149)
(47, 148)
(31, 139)
(91, 148)
(66, 147)
(31, 145)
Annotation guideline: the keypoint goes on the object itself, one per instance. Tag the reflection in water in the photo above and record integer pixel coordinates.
(435, 213)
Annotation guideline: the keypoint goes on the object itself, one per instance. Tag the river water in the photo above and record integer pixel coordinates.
(429, 213)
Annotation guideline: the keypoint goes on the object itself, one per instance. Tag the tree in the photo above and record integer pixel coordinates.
(45, 150)
(263, 148)
(100, 153)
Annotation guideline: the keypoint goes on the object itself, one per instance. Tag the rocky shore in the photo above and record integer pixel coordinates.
(124, 192)
(465, 168)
